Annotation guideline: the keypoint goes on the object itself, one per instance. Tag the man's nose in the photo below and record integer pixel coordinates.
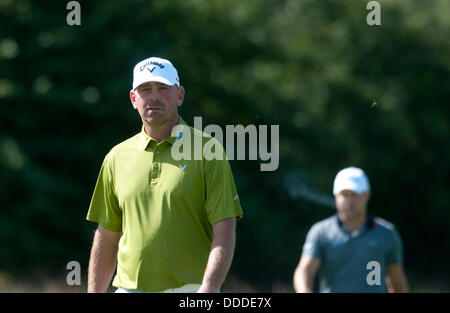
(154, 95)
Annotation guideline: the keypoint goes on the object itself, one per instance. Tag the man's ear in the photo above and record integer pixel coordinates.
(180, 95)
(368, 194)
(133, 99)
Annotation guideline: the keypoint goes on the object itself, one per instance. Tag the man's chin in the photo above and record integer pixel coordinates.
(154, 120)
(349, 213)
(157, 120)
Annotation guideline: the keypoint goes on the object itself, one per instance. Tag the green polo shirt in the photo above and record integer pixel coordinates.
(164, 209)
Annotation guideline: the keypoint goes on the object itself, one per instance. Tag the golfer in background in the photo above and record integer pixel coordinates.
(165, 224)
(351, 251)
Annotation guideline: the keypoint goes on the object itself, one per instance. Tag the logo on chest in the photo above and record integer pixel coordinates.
(182, 167)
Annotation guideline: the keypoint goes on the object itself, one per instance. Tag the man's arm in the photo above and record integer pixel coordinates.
(305, 274)
(396, 278)
(102, 262)
(220, 256)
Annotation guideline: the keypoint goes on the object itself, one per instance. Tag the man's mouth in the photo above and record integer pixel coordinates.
(155, 106)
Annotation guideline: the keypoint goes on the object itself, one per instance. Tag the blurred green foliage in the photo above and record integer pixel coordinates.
(313, 67)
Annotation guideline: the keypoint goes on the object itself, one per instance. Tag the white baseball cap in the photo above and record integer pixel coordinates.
(155, 70)
(351, 178)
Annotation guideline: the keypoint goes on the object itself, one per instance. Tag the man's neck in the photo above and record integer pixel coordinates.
(160, 132)
(355, 223)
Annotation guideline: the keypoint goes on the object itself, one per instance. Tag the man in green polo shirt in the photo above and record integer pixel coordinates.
(352, 251)
(166, 224)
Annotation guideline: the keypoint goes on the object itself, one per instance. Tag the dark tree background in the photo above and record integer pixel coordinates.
(342, 92)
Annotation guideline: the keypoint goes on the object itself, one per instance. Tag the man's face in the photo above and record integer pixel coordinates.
(157, 103)
(351, 204)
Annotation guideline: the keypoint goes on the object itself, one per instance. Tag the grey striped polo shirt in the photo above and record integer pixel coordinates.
(345, 255)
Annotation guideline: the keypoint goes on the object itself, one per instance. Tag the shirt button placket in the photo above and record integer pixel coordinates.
(156, 165)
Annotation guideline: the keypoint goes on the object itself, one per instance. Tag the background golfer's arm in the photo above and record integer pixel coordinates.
(102, 263)
(396, 278)
(220, 256)
(305, 274)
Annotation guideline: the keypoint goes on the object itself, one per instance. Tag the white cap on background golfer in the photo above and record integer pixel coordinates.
(351, 178)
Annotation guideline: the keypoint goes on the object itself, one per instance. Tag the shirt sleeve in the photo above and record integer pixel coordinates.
(222, 200)
(312, 245)
(104, 208)
(395, 252)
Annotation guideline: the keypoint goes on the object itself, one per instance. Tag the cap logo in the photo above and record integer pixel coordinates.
(151, 70)
(143, 66)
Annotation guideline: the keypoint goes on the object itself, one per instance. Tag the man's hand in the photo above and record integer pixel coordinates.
(220, 256)
(102, 262)
(396, 278)
(305, 273)
(207, 289)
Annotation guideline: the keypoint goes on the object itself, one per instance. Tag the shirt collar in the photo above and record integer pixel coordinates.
(173, 137)
(370, 222)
